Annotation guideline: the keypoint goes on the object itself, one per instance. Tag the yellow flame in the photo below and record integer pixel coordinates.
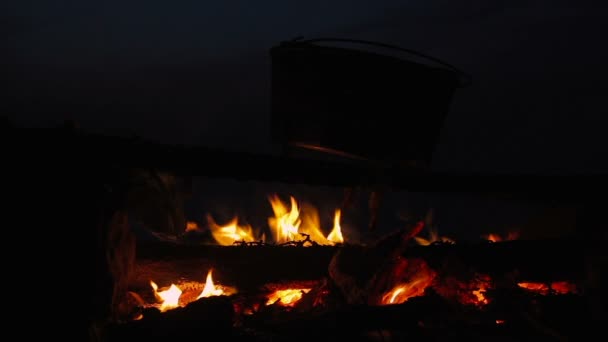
(230, 233)
(210, 289)
(288, 224)
(286, 297)
(169, 298)
(311, 224)
(285, 223)
(335, 235)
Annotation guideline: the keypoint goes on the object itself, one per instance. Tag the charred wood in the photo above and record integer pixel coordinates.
(430, 318)
(248, 266)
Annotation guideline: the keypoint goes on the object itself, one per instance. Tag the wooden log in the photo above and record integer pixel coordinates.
(429, 318)
(248, 267)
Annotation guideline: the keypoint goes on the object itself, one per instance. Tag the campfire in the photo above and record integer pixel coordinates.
(412, 282)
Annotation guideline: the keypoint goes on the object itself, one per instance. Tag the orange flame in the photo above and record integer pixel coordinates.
(192, 226)
(288, 297)
(414, 287)
(230, 233)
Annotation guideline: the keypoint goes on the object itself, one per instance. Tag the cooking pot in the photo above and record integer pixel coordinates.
(357, 102)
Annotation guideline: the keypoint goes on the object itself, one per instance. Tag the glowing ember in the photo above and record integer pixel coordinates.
(336, 233)
(497, 238)
(286, 297)
(192, 226)
(480, 296)
(169, 298)
(535, 287)
(230, 233)
(211, 289)
(560, 287)
(563, 287)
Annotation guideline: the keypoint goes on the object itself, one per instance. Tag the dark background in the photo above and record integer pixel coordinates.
(198, 72)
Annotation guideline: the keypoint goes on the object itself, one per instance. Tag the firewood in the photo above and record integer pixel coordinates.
(247, 267)
(352, 269)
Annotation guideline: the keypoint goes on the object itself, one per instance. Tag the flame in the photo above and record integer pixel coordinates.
(285, 224)
(192, 226)
(433, 237)
(335, 235)
(169, 298)
(401, 293)
(415, 286)
(286, 297)
(289, 224)
(210, 289)
(497, 238)
(230, 233)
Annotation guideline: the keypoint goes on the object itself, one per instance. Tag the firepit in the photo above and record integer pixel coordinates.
(298, 279)
(217, 276)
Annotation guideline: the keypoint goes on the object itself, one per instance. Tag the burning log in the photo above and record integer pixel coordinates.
(392, 271)
(248, 266)
(254, 266)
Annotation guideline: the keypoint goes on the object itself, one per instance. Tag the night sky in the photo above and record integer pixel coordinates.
(197, 72)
